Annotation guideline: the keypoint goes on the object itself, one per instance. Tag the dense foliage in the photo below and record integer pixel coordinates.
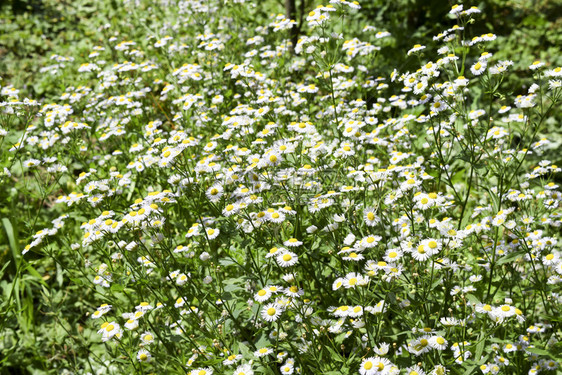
(186, 190)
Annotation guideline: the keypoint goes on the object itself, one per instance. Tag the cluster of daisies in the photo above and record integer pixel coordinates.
(264, 207)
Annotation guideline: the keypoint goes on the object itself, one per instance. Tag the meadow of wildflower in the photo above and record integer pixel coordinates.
(280, 187)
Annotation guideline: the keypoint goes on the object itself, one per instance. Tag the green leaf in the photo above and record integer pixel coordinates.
(335, 356)
(11, 239)
(117, 288)
(226, 262)
(35, 274)
(232, 288)
(551, 318)
(76, 280)
(480, 347)
(472, 298)
(339, 338)
(244, 350)
(510, 257)
(263, 341)
(539, 351)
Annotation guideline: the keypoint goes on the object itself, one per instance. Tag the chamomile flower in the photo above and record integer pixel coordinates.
(271, 312)
(214, 193)
(536, 65)
(354, 279)
(109, 330)
(478, 68)
(421, 253)
(292, 242)
(201, 371)
(212, 233)
(103, 309)
(457, 8)
(263, 351)
(416, 48)
(262, 295)
(415, 370)
(147, 338)
(143, 307)
(369, 241)
(273, 159)
(420, 345)
(338, 283)
(393, 255)
(144, 355)
(244, 369)
(375, 366)
(438, 342)
(293, 291)
(353, 256)
(370, 217)
(274, 252)
(287, 259)
(131, 324)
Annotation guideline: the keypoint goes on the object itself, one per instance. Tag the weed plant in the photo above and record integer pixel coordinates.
(206, 197)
